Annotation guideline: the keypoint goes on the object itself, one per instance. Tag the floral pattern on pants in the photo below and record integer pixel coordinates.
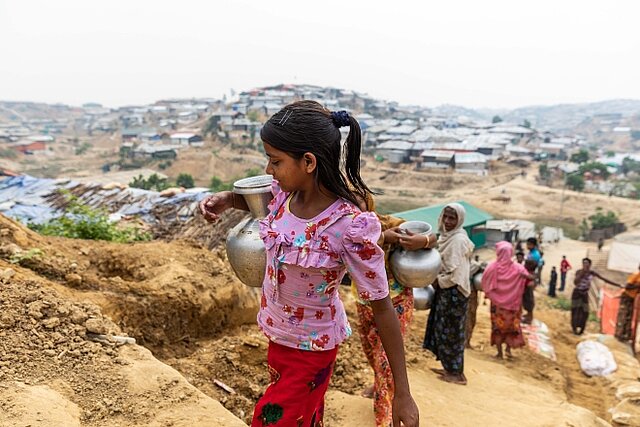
(444, 336)
(372, 345)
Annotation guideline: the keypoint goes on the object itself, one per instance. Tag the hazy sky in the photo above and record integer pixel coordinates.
(474, 53)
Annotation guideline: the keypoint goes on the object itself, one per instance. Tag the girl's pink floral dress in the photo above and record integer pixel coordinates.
(306, 260)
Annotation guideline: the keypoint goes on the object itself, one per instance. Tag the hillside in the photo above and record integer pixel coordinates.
(183, 303)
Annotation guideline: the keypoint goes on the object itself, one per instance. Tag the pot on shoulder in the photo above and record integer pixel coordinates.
(245, 248)
(415, 269)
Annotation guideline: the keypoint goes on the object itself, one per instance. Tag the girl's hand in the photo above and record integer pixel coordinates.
(212, 206)
(405, 411)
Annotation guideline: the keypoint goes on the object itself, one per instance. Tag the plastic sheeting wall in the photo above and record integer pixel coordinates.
(624, 257)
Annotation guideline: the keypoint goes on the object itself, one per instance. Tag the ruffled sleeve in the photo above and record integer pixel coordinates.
(276, 209)
(363, 257)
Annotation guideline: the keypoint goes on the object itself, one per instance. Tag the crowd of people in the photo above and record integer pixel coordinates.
(323, 224)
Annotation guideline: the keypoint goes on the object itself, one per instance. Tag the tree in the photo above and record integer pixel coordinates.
(575, 182)
(185, 180)
(600, 220)
(544, 172)
(496, 119)
(526, 124)
(581, 156)
(630, 165)
(595, 168)
(610, 154)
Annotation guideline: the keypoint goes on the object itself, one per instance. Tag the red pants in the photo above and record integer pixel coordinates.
(299, 381)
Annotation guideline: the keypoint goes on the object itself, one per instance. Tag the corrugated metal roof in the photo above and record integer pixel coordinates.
(430, 214)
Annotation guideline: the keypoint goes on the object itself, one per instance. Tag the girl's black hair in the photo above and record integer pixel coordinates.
(307, 127)
(588, 260)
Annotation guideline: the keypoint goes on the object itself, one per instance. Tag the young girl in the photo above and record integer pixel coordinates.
(313, 235)
(444, 336)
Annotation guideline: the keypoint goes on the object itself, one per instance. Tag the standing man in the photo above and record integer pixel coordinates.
(564, 267)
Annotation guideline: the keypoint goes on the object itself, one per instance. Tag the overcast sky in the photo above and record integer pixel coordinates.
(473, 53)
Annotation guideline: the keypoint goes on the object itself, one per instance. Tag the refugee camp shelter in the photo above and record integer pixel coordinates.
(474, 222)
(624, 255)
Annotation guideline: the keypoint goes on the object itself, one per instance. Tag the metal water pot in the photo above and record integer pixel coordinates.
(415, 269)
(477, 281)
(245, 248)
(423, 297)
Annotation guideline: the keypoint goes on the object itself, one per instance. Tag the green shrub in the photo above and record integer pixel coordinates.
(185, 180)
(154, 182)
(83, 222)
(600, 220)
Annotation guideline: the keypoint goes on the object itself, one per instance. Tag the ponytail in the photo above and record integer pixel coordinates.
(352, 148)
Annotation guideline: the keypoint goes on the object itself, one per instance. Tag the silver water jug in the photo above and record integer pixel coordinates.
(245, 248)
(477, 282)
(423, 297)
(415, 269)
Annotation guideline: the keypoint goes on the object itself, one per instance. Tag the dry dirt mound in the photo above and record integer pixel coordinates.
(161, 293)
(53, 372)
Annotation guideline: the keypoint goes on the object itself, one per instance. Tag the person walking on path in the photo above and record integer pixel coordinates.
(313, 234)
(391, 238)
(564, 268)
(445, 332)
(504, 282)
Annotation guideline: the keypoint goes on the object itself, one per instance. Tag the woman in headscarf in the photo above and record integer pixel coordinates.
(504, 282)
(402, 298)
(445, 335)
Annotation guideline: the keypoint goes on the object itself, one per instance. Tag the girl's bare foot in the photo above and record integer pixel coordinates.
(459, 379)
(367, 392)
(499, 355)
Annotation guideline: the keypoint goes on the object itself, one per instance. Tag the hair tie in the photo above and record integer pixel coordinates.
(340, 118)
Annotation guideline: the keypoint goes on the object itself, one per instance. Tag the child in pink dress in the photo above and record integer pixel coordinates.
(313, 235)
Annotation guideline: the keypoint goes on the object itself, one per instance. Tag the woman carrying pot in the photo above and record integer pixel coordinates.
(445, 334)
(402, 298)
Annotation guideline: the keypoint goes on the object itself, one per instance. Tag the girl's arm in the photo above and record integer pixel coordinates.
(404, 408)
(212, 206)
